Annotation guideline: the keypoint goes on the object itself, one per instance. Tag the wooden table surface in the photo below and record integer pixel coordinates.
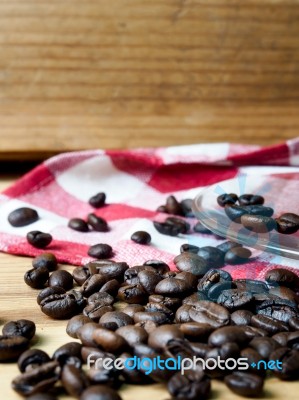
(126, 73)
(17, 300)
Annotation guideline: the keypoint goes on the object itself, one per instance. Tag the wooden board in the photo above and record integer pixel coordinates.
(18, 301)
(125, 73)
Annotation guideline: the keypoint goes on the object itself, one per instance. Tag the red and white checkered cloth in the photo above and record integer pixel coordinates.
(136, 182)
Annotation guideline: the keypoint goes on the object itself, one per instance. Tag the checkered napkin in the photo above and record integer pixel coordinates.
(136, 182)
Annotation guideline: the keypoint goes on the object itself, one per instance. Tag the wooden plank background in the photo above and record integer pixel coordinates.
(124, 73)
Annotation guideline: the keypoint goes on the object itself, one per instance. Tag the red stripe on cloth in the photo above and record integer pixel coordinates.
(272, 155)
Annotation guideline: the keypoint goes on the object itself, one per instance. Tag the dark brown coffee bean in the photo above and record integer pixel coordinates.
(39, 379)
(66, 351)
(252, 331)
(293, 340)
(62, 279)
(250, 199)
(111, 269)
(159, 318)
(36, 278)
(285, 293)
(167, 229)
(148, 280)
(237, 255)
(32, 357)
(251, 285)
(245, 384)
(187, 205)
(288, 368)
(182, 314)
(78, 224)
(227, 198)
(22, 216)
(281, 338)
(179, 222)
(153, 307)
(216, 290)
(290, 217)
(254, 359)
(111, 287)
(132, 294)
(84, 334)
(282, 277)
(159, 338)
(141, 237)
(47, 260)
(241, 317)
(235, 212)
(48, 291)
(193, 385)
(270, 324)
(102, 297)
(258, 223)
(74, 380)
(226, 334)
(133, 334)
(93, 284)
(213, 256)
(170, 302)
(109, 341)
(286, 227)
(75, 324)
(212, 277)
(173, 206)
(97, 223)
(172, 287)
(260, 210)
(189, 278)
(191, 248)
(101, 250)
(233, 299)
(100, 375)
(160, 266)
(81, 274)
(11, 347)
(96, 310)
(21, 327)
(294, 323)
(279, 309)
(131, 274)
(196, 331)
(118, 317)
(39, 239)
(226, 246)
(130, 374)
(99, 392)
(98, 200)
(60, 306)
(189, 262)
(194, 298)
(210, 313)
(264, 346)
(132, 309)
(199, 228)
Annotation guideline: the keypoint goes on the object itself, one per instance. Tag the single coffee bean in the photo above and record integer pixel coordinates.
(132, 294)
(160, 266)
(209, 313)
(74, 380)
(93, 284)
(62, 279)
(22, 327)
(237, 255)
(78, 224)
(132, 309)
(189, 278)
(254, 359)
(245, 384)
(212, 277)
(260, 210)
(264, 346)
(39, 239)
(286, 227)
(109, 341)
(285, 293)
(199, 228)
(258, 223)
(36, 278)
(227, 198)
(225, 334)
(282, 277)
(293, 340)
(148, 326)
(213, 256)
(251, 199)
(181, 223)
(98, 200)
(196, 331)
(75, 324)
(173, 206)
(141, 237)
(289, 363)
(251, 285)
(81, 274)
(133, 334)
(269, 324)
(97, 223)
(22, 216)
(294, 323)
(60, 306)
(279, 309)
(187, 205)
(96, 310)
(172, 303)
(173, 287)
(84, 334)
(102, 297)
(290, 217)
(159, 338)
(39, 379)
(235, 212)
(194, 298)
(281, 338)
(158, 317)
(217, 289)
(191, 248)
(232, 299)
(226, 246)
(47, 260)
(182, 314)
(193, 385)
(48, 291)
(32, 357)
(11, 347)
(167, 229)
(64, 352)
(101, 250)
(111, 287)
(189, 262)
(99, 392)
(252, 331)
(148, 280)
(117, 317)
(241, 317)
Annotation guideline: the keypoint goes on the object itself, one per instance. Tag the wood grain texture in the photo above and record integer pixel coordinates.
(19, 301)
(127, 73)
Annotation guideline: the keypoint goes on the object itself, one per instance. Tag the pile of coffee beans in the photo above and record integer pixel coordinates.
(254, 216)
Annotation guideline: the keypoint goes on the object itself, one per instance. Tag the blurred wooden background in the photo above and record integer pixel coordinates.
(125, 73)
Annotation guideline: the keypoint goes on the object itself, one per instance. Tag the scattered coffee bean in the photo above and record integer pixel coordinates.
(167, 229)
(47, 260)
(179, 222)
(250, 199)
(237, 255)
(286, 227)
(78, 224)
(173, 206)
(11, 347)
(101, 250)
(98, 200)
(282, 277)
(22, 327)
(245, 384)
(32, 358)
(227, 198)
(39, 239)
(141, 237)
(192, 385)
(199, 228)
(189, 262)
(258, 223)
(74, 380)
(62, 279)
(22, 216)
(48, 291)
(36, 278)
(97, 223)
(235, 212)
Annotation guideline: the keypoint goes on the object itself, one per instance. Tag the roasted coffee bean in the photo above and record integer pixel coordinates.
(252, 331)
(193, 385)
(66, 351)
(78, 224)
(264, 346)
(170, 302)
(62, 279)
(48, 291)
(250, 199)
(189, 262)
(11, 347)
(100, 375)
(158, 317)
(186, 247)
(233, 299)
(254, 359)
(148, 280)
(235, 212)
(98, 200)
(184, 226)
(196, 331)
(97, 223)
(228, 351)
(286, 227)
(227, 198)
(36, 278)
(160, 266)
(161, 209)
(167, 229)
(260, 210)
(147, 325)
(21, 327)
(189, 278)
(159, 338)
(173, 206)
(288, 368)
(251, 285)
(132, 309)
(237, 255)
(75, 324)
(141, 237)
(22, 216)
(118, 317)
(268, 323)
(169, 274)
(104, 298)
(93, 284)
(290, 217)
(258, 223)
(132, 294)
(81, 274)
(280, 309)
(47, 260)
(101, 250)
(199, 228)
(32, 358)
(194, 298)
(245, 384)
(37, 380)
(294, 323)
(182, 314)
(213, 256)
(217, 289)
(39, 239)
(282, 277)
(131, 274)
(281, 338)
(241, 317)
(209, 313)
(226, 334)
(133, 334)
(226, 246)
(173, 287)
(109, 341)
(60, 306)
(111, 287)
(99, 392)
(96, 310)
(84, 334)
(212, 277)
(293, 340)
(130, 374)
(74, 380)
(285, 293)
(187, 205)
